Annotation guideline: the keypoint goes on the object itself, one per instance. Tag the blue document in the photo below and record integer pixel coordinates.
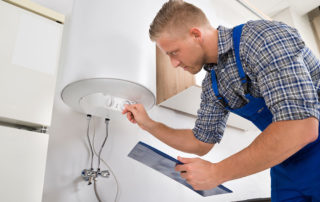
(165, 164)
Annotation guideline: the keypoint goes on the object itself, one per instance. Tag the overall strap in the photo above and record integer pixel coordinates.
(236, 35)
(215, 88)
(214, 84)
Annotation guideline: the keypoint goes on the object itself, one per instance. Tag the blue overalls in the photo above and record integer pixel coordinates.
(298, 177)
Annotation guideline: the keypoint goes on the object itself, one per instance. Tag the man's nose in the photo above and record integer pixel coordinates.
(175, 62)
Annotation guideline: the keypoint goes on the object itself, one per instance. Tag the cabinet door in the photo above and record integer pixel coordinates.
(23, 159)
(29, 52)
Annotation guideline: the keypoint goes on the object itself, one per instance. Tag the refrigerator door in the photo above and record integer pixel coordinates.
(29, 53)
(23, 159)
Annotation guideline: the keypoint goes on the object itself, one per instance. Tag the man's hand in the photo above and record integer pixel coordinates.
(180, 139)
(200, 174)
(137, 114)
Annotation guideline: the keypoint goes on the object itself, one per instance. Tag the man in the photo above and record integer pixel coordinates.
(262, 71)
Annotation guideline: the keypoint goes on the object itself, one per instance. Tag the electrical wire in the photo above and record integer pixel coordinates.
(105, 139)
(92, 148)
(95, 190)
(88, 128)
(103, 161)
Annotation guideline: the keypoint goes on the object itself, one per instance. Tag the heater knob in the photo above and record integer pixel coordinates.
(109, 101)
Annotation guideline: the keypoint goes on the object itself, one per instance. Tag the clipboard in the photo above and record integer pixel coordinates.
(165, 164)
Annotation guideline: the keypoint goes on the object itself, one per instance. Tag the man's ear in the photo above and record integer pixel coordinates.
(196, 33)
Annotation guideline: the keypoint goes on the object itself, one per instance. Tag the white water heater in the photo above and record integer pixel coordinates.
(107, 59)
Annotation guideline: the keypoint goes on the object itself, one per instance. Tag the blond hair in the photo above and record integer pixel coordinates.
(176, 15)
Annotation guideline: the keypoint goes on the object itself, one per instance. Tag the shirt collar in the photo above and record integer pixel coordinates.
(225, 43)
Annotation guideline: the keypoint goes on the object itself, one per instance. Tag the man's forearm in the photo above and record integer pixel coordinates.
(278, 142)
(180, 139)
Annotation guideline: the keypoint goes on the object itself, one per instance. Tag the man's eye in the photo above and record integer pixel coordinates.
(174, 53)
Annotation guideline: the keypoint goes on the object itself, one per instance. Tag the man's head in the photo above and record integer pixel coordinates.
(178, 29)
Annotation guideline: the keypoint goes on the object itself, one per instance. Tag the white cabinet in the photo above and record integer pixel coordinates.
(30, 39)
(23, 156)
(188, 101)
(29, 52)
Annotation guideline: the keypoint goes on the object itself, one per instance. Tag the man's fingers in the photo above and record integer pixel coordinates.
(125, 111)
(130, 108)
(182, 168)
(133, 111)
(184, 175)
(188, 177)
(185, 167)
(186, 160)
(130, 116)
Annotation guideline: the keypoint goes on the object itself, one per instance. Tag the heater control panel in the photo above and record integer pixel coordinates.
(100, 104)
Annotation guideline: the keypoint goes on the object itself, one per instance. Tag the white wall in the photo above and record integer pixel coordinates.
(68, 150)
(68, 154)
(302, 24)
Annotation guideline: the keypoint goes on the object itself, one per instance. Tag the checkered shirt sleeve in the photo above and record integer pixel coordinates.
(212, 116)
(283, 73)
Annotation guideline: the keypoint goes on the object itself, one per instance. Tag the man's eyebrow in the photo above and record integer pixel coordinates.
(170, 52)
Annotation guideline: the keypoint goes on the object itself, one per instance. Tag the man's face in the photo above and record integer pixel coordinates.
(184, 51)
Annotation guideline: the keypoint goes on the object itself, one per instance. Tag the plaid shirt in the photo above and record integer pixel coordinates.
(280, 67)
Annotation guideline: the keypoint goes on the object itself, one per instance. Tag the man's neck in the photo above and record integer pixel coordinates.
(211, 46)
